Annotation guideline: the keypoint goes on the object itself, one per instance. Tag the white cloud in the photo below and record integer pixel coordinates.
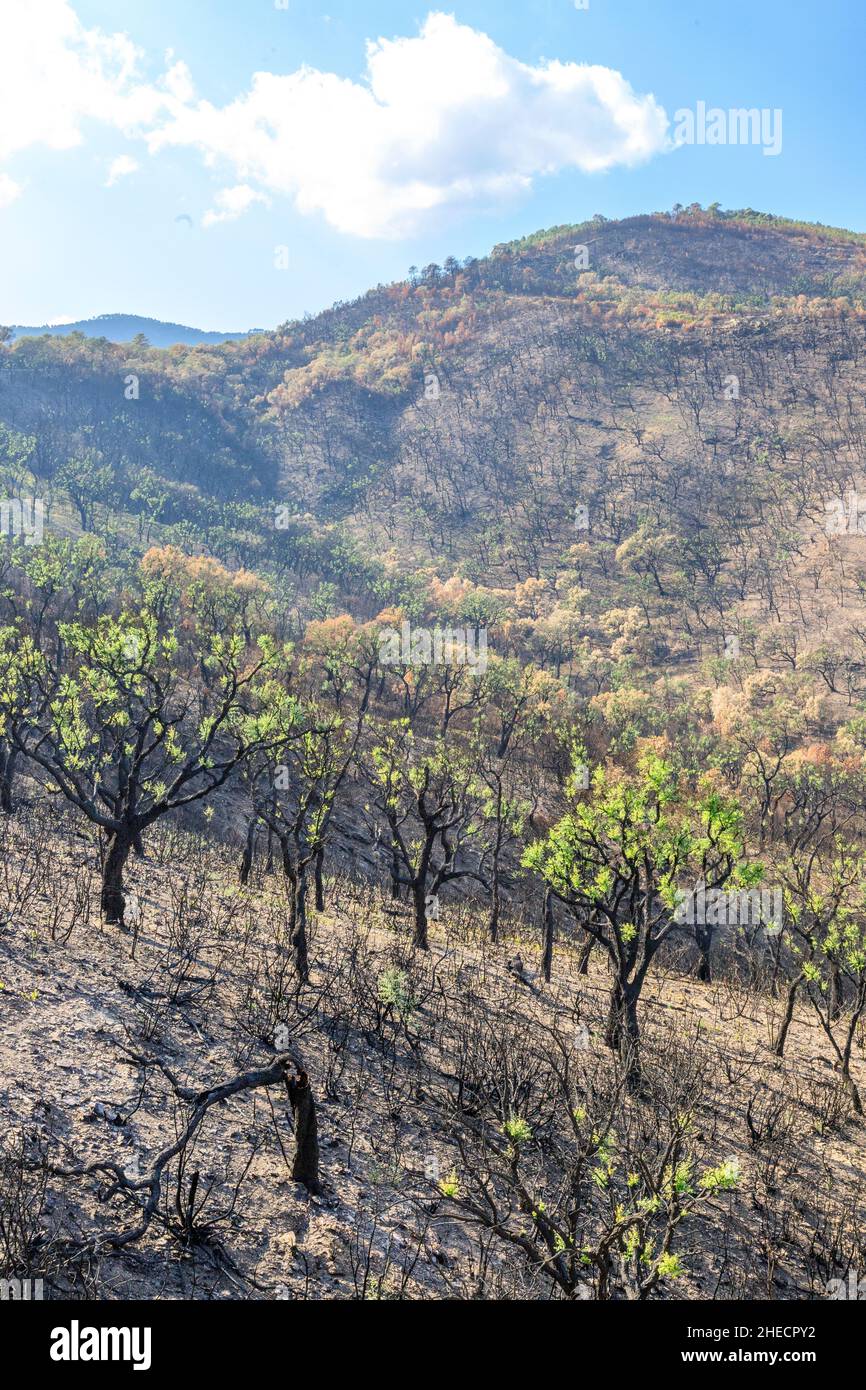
(119, 168)
(9, 190)
(441, 121)
(55, 75)
(231, 202)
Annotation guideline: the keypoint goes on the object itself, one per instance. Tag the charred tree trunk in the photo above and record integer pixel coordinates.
(305, 1166)
(320, 882)
(549, 930)
(296, 881)
(299, 924)
(704, 940)
(249, 853)
(583, 963)
(782, 1035)
(835, 993)
(622, 1033)
(8, 758)
(420, 899)
(493, 925)
(112, 900)
(395, 872)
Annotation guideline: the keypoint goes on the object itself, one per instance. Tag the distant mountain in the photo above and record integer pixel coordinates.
(122, 328)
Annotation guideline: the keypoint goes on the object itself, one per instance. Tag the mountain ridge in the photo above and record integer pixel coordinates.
(123, 328)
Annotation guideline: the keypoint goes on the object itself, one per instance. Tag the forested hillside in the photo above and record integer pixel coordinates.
(444, 720)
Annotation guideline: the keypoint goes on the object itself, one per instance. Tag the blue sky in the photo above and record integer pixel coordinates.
(106, 141)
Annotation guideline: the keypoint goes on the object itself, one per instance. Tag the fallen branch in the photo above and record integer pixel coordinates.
(305, 1168)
